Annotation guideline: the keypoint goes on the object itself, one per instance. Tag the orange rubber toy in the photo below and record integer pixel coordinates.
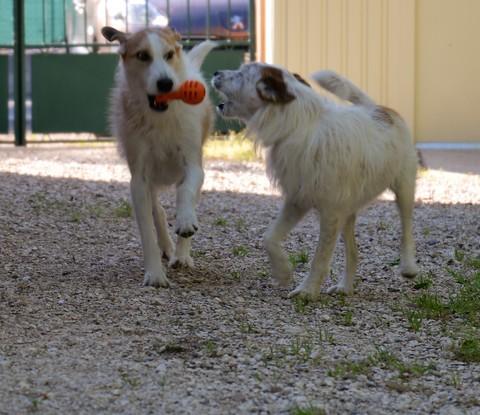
(190, 92)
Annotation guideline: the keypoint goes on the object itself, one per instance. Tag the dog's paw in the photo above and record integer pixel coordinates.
(186, 225)
(156, 279)
(340, 289)
(281, 271)
(283, 277)
(181, 261)
(167, 248)
(409, 270)
(304, 293)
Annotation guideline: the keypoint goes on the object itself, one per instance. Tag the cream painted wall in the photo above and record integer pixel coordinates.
(421, 57)
(448, 70)
(372, 42)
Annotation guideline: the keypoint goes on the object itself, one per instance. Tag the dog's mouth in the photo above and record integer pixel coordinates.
(154, 104)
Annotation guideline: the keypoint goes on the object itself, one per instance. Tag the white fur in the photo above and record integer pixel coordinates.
(161, 148)
(329, 157)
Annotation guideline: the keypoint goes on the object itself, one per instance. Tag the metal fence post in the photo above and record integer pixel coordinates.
(19, 72)
(253, 32)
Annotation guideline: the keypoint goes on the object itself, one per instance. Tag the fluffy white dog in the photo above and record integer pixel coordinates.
(329, 157)
(162, 142)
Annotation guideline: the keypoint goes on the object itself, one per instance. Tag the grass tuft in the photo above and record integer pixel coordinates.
(307, 410)
(431, 305)
(423, 282)
(415, 319)
(234, 147)
(124, 209)
(381, 358)
(220, 222)
(468, 350)
(300, 304)
(297, 258)
(347, 318)
(240, 251)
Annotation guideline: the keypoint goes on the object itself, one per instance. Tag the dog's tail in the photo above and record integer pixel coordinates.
(342, 88)
(198, 54)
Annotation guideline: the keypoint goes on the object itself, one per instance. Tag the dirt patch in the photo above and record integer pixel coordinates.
(79, 334)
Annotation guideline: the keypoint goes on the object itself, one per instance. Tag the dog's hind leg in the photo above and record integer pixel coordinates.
(142, 204)
(309, 288)
(160, 219)
(404, 190)
(290, 215)
(345, 286)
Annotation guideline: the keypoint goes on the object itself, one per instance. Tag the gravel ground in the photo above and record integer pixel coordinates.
(79, 333)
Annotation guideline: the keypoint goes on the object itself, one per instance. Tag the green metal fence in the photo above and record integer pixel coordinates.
(71, 67)
(3, 94)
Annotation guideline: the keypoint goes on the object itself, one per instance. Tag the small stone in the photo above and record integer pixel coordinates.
(161, 369)
(316, 353)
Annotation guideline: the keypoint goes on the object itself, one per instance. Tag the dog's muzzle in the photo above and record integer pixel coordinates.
(155, 105)
(217, 84)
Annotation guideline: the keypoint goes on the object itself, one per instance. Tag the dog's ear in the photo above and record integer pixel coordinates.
(112, 34)
(300, 79)
(272, 87)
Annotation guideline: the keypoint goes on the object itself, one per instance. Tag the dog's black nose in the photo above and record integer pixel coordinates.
(165, 85)
(216, 73)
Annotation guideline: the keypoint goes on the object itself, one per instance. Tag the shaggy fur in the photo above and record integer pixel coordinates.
(329, 157)
(161, 143)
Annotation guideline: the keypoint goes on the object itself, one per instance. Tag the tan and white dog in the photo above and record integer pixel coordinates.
(331, 157)
(162, 142)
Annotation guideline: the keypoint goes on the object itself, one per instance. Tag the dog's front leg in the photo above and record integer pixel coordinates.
(187, 224)
(289, 216)
(142, 204)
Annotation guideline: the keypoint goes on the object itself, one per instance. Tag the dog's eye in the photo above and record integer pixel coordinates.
(169, 55)
(143, 56)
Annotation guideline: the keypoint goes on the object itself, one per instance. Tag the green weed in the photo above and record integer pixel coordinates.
(468, 350)
(297, 258)
(124, 209)
(240, 251)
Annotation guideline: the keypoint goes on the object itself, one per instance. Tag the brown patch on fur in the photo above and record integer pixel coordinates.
(384, 115)
(272, 78)
(300, 79)
(134, 43)
(171, 36)
(354, 98)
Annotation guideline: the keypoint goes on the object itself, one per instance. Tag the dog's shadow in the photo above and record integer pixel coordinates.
(62, 229)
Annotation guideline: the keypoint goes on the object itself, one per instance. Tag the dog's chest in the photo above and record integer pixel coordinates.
(167, 163)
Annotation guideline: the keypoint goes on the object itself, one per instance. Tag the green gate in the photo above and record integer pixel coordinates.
(70, 68)
(6, 45)
(3, 95)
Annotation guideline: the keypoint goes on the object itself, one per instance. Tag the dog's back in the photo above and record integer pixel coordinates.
(352, 154)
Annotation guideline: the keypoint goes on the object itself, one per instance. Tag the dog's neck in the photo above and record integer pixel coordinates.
(275, 123)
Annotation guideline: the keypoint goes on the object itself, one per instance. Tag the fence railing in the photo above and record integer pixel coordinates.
(35, 33)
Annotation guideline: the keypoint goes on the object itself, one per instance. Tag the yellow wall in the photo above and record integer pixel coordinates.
(448, 70)
(421, 57)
